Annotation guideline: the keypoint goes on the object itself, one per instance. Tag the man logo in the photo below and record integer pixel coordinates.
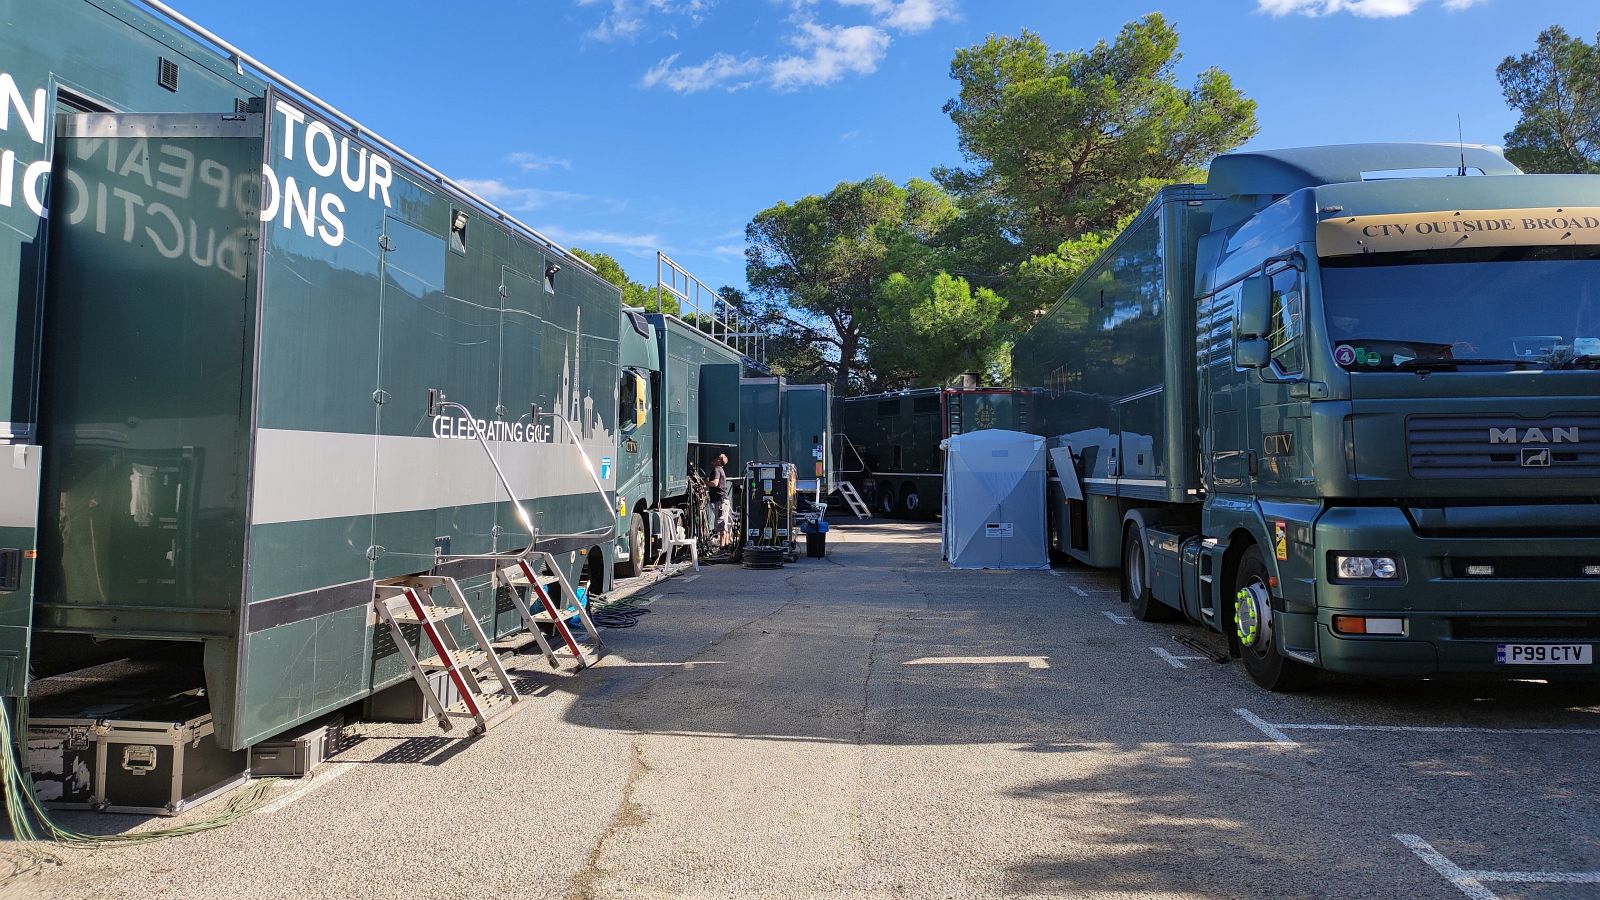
(1533, 436)
(1535, 457)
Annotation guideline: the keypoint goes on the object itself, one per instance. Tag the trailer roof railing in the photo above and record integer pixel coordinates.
(240, 59)
(701, 306)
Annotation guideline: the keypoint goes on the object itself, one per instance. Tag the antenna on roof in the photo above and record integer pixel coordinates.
(1461, 145)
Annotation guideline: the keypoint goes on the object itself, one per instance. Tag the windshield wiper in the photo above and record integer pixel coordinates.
(1428, 365)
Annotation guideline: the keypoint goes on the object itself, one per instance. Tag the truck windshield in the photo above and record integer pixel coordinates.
(1504, 308)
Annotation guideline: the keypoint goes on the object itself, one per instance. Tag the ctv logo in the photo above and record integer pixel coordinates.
(1533, 436)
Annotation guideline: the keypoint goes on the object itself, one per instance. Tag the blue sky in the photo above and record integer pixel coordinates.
(628, 125)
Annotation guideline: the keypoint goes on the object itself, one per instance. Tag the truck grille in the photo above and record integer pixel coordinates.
(1504, 446)
(1488, 568)
(1528, 628)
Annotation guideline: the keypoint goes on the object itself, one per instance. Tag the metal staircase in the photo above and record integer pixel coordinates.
(857, 505)
(410, 602)
(521, 575)
(478, 687)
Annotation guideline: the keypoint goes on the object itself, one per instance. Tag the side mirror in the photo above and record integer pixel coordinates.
(1251, 353)
(1255, 307)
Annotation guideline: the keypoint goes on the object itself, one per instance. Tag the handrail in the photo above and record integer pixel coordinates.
(845, 438)
(239, 59)
(588, 462)
(723, 321)
(436, 404)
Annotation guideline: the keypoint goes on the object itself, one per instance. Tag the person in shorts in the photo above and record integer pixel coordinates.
(721, 502)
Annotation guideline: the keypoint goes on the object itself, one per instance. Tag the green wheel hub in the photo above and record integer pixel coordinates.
(1252, 615)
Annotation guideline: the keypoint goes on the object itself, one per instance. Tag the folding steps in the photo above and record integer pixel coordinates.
(485, 698)
(520, 574)
(857, 505)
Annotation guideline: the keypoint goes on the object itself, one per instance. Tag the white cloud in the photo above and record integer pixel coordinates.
(722, 70)
(823, 52)
(1369, 9)
(642, 244)
(518, 199)
(907, 15)
(537, 162)
(728, 250)
(828, 53)
(627, 19)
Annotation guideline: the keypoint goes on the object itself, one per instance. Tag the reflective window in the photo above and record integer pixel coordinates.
(1534, 308)
(1287, 338)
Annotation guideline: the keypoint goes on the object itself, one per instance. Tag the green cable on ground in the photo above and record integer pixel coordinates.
(31, 823)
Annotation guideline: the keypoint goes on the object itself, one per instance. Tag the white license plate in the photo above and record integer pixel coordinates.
(1545, 654)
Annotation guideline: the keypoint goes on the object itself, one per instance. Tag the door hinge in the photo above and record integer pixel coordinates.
(380, 396)
(385, 243)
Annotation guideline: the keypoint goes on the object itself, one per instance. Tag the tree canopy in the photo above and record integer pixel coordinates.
(1556, 90)
(633, 293)
(1066, 143)
(893, 285)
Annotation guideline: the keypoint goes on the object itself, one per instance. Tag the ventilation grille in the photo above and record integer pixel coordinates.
(240, 107)
(167, 73)
(1504, 446)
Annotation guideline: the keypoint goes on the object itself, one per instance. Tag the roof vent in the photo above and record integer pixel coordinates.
(167, 73)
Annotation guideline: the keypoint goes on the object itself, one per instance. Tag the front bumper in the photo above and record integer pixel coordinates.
(1454, 623)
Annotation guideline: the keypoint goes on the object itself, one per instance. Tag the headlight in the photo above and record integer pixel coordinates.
(1365, 567)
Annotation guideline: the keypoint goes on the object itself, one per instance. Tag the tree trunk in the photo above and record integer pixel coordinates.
(848, 342)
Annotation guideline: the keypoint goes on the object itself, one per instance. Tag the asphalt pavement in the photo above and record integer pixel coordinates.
(875, 725)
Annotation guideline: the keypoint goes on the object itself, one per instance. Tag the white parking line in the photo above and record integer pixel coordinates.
(1079, 591)
(1034, 662)
(1276, 731)
(1178, 662)
(1266, 728)
(1470, 881)
(1120, 620)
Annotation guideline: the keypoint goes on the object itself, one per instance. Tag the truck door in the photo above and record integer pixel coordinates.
(1224, 453)
(1277, 422)
(417, 328)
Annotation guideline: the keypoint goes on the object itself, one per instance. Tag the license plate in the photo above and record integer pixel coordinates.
(1545, 654)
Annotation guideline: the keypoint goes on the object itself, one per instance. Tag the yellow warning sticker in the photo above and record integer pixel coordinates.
(1280, 539)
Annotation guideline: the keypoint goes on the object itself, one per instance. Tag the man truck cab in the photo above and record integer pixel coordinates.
(1369, 403)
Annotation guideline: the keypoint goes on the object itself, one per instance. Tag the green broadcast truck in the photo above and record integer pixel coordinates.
(230, 312)
(1340, 404)
(889, 445)
(681, 399)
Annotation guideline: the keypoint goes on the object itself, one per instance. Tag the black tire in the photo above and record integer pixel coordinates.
(634, 564)
(911, 502)
(1267, 667)
(886, 502)
(1135, 586)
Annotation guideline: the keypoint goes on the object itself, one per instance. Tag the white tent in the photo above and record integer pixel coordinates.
(994, 497)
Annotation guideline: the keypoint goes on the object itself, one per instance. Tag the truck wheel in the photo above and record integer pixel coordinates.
(1253, 626)
(910, 501)
(1135, 591)
(634, 564)
(886, 504)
